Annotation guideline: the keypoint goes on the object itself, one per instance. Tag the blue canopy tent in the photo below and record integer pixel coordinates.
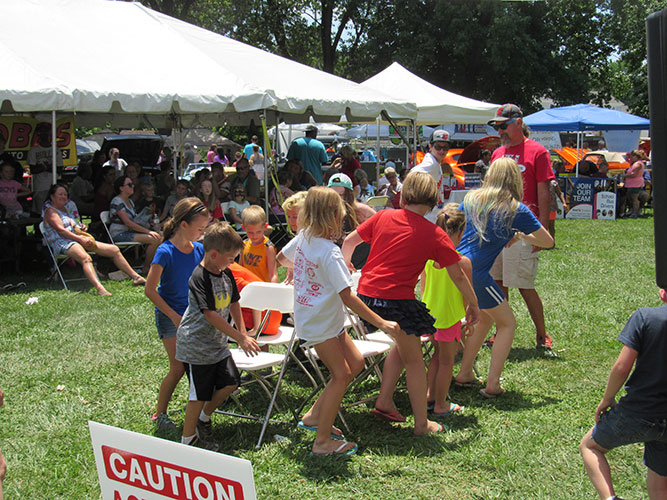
(581, 117)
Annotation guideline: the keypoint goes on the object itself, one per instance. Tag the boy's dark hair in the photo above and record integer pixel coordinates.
(222, 237)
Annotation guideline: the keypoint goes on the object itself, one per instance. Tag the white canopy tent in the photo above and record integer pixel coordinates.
(434, 105)
(126, 78)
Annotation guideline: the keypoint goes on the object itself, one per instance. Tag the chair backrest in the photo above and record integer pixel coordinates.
(105, 217)
(377, 201)
(273, 296)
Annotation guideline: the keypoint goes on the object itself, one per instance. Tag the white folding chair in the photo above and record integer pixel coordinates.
(123, 245)
(378, 202)
(58, 260)
(273, 297)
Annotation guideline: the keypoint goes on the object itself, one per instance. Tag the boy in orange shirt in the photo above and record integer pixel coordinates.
(258, 254)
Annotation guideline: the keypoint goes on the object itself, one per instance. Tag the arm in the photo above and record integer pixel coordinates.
(52, 219)
(350, 300)
(152, 281)
(617, 377)
(633, 171)
(309, 179)
(543, 202)
(284, 261)
(125, 218)
(364, 212)
(351, 241)
(271, 264)
(463, 284)
(248, 344)
(540, 238)
(234, 217)
(422, 282)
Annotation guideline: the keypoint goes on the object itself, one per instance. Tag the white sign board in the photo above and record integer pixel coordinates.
(605, 205)
(550, 140)
(132, 466)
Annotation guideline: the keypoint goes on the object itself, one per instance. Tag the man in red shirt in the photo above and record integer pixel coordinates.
(516, 267)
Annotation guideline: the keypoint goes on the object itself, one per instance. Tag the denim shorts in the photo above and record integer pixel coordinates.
(166, 328)
(124, 237)
(618, 427)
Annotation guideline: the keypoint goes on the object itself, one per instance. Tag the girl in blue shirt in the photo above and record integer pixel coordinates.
(495, 218)
(172, 265)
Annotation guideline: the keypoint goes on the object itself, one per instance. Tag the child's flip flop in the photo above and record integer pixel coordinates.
(337, 437)
(338, 451)
(391, 416)
(453, 408)
(491, 395)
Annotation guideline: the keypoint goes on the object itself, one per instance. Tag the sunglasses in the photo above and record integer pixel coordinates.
(503, 126)
(130, 184)
(444, 147)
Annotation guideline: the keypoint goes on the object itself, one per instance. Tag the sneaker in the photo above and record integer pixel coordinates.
(489, 342)
(164, 423)
(204, 444)
(205, 429)
(545, 343)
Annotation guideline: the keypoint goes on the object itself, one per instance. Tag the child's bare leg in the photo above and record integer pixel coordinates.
(334, 353)
(355, 363)
(655, 484)
(505, 326)
(391, 372)
(472, 346)
(410, 350)
(192, 411)
(445, 367)
(3, 470)
(433, 372)
(218, 397)
(596, 465)
(170, 381)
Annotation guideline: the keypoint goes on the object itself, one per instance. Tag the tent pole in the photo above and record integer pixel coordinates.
(414, 138)
(377, 155)
(54, 149)
(579, 145)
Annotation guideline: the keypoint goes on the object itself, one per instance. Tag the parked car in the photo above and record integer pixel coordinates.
(143, 148)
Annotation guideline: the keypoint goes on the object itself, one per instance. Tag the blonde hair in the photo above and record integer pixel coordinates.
(184, 211)
(451, 219)
(253, 215)
(639, 154)
(499, 196)
(322, 214)
(295, 201)
(222, 237)
(419, 188)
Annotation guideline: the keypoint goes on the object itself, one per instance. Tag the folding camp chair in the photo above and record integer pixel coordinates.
(273, 297)
(123, 245)
(58, 261)
(378, 202)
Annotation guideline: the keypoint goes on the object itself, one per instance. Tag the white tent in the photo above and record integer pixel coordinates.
(123, 63)
(434, 105)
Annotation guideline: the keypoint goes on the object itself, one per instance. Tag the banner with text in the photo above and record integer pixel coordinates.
(19, 131)
(590, 198)
(132, 466)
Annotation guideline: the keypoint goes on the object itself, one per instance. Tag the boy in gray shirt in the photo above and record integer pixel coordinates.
(201, 340)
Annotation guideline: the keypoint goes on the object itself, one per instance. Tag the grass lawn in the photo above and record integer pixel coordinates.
(105, 353)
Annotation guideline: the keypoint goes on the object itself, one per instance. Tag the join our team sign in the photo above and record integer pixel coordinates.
(132, 466)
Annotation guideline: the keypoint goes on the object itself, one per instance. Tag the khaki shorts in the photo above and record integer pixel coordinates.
(516, 267)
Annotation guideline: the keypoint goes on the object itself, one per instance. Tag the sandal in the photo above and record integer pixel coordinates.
(338, 451)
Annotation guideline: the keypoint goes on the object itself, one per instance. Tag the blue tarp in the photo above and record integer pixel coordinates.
(582, 117)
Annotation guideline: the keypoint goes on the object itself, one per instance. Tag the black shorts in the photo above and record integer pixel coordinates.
(411, 314)
(206, 379)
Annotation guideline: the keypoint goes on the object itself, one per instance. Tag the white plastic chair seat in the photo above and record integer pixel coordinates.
(105, 217)
(377, 202)
(281, 338)
(380, 337)
(367, 348)
(262, 361)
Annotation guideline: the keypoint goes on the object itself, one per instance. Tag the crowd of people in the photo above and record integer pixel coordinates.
(466, 257)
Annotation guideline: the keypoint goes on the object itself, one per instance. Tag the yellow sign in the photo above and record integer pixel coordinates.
(19, 131)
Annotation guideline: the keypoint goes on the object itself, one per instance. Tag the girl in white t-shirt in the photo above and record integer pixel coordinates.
(322, 285)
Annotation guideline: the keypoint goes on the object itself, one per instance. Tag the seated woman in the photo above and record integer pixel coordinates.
(60, 231)
(123, 227)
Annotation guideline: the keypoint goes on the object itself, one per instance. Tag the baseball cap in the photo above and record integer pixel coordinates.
(310, 128)
(506, 112)
(439, 135)
(340, 180)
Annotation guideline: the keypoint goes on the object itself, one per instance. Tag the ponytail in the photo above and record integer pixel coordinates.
(184, 211)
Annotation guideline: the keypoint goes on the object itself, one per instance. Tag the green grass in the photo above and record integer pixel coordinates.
(105, 353)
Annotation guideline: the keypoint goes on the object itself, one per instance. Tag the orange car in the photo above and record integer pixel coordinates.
(450, 160)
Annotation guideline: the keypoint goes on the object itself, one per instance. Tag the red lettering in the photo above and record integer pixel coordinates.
(64, 134)
(20, 136)
(119, 466)
(3, 131)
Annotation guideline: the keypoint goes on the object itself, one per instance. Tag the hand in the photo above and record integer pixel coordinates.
(84, 227)
(466, 331)
(252, 332)
(602, 407)
(472, 315)
(391, 328)
(289, 276)
(154, 235)
(536, 249)
(350, 267)
(249, 345)
(176, 319)
(87, 243)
